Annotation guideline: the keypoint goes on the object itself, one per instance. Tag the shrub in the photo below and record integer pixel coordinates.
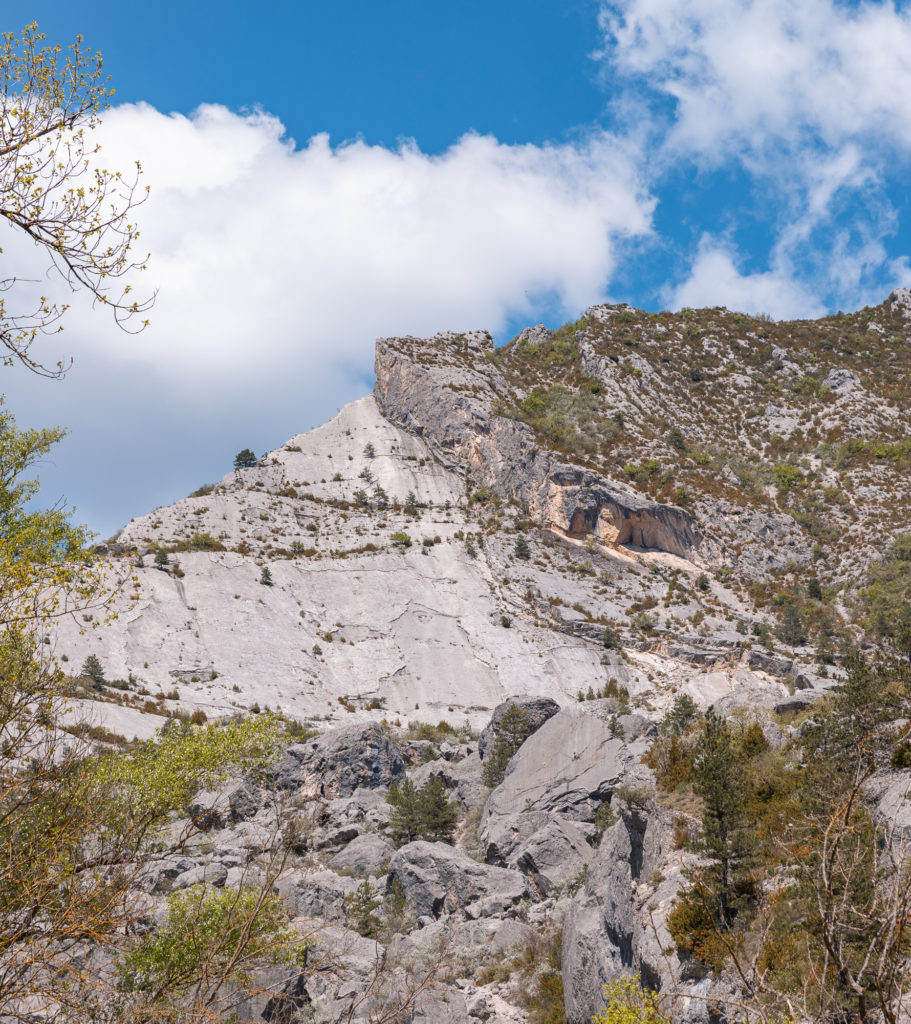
(205, 542)
(610, 638)
(629, 1003)
(693, 928)
(676, 440)
(787, 476)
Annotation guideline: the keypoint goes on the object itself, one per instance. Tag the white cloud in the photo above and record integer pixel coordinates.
(807, 105)
(714, 280)
(309, 254)
(750, 76)
(784, 291)
(277, 267)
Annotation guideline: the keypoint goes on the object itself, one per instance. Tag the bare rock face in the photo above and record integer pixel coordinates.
(449, 406)
(537, 710)
(569, 766)
(538, 819)
(617, 924)
(341, 761)
(549, 849)
(365, 855)
(900, 300)
(438, 880)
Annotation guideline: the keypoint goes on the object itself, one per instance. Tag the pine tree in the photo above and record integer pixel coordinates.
(403, 820)
(513, 730)
(791, 630)
(423, 813)
(266, 576)
(522, 549)
(245, 459)
(438, 815)
(359, 908)
(718, 778)
(680, 714)
(93, 668)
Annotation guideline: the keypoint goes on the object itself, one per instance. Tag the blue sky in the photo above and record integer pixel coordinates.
(322, 174)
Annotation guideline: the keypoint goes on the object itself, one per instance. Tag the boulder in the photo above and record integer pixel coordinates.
(550, 849)
(316, 894)
(634, 726)
(340, 970)
(215, 873)
(365, 855)
(553, 855)
(890, 793)
(338, 762)
(237, 800)
(568, 767)
(537, 710)
(159, 875)
(438, 879)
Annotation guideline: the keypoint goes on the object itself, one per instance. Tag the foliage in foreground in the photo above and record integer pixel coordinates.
(627, 1002)
(802, 888)
(210, 939)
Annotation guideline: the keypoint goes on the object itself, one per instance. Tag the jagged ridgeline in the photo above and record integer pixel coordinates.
(521, 692)
(775, 453)
(700, 500)
(781, 441)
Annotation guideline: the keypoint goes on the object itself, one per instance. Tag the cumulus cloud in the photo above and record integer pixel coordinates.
(303, 252)
(277, 266)
(714, 279)
(749, 75)
(808, 103)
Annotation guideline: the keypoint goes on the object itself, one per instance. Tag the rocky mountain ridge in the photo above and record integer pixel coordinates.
(589, 525)
(390, 532)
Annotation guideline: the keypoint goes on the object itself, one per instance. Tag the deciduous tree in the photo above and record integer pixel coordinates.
(54, 191)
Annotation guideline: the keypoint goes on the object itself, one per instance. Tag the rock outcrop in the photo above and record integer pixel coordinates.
(536, 711)
(449, 406)
(617, 924)
(337, 763)
(438, 879)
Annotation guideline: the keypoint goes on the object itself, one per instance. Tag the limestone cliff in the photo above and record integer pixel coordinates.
(449, 405)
